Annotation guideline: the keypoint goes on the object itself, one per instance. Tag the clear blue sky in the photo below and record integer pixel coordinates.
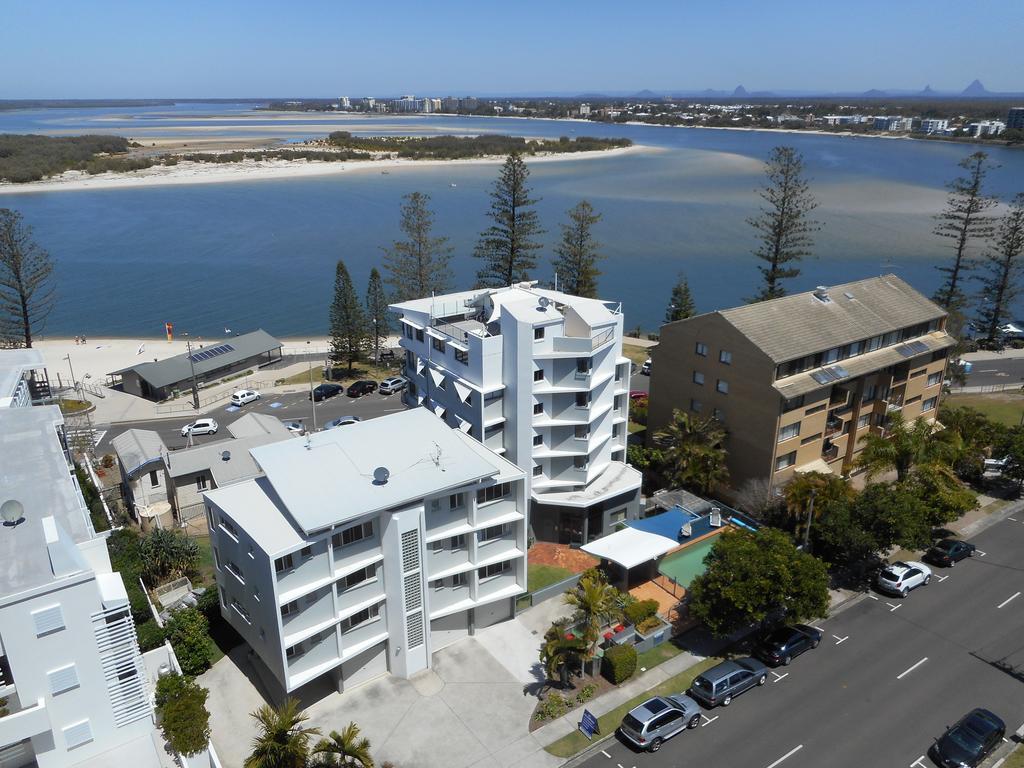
(223, 48)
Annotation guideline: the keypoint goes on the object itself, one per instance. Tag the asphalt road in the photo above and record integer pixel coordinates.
(998, 371)
(292, 407)
(888, 678)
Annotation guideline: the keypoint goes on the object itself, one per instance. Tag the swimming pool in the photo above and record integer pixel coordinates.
(683, 566)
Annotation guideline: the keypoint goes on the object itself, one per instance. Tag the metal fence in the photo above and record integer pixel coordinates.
(986, 388)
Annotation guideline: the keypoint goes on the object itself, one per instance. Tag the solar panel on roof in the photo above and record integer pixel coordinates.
(206, 354)
(918, 346)
(905, 350)
(838, 371)
(821, 377)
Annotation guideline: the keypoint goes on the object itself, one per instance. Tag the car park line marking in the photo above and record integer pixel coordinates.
(1007, 600)
(791, 752)
(906, 672)
(942, 578)
(779, 677)
(840, 640)
(919, 763)
(1012, 518)
(708, 720)
(620, 765)
(606, 754)
(893, 607)
(980, 553)
(873, 597)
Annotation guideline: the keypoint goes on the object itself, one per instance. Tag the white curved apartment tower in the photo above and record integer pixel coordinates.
(537, 376)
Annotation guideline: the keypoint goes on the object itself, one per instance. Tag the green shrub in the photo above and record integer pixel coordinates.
(184, 719)
(552, 707)
(123, 547)
(585, 694)
(208, 604)
(167, 555)
(638, 612)
(151, 635)
(189, 633)
(649, 624)
(619, 663)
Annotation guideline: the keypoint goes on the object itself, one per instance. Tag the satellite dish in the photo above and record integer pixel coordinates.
(381, 475)
(225, 455)
(544, 302)
(12, 512)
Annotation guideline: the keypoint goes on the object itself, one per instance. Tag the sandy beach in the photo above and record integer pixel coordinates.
(258, 170)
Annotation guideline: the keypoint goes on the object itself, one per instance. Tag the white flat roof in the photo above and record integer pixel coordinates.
(254, 506)
(13, 364)
(329, 478)
(630, 547)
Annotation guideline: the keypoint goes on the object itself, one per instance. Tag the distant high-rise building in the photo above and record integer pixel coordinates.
(933, 125)
(584, 110)
(1015, 118)
(344, 102)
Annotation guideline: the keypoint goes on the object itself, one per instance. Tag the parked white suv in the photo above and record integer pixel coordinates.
(200, 427)
(392, 385)
(243, 396)
(899, 578)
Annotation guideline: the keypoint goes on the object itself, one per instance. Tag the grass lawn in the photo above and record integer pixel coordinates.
(358, 372)
(539, 576)
(205, 560)
(1015, 759)
(657, 655)
(635, 353)
(567, 746)
(1004, 407)
(73, 406)
(634, 427)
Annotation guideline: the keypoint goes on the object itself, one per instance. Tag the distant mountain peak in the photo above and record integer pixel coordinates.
(974, 89)
(740, 91)
(874, 93)
(927, 90)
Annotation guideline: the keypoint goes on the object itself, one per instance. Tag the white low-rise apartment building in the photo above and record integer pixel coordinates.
(539, 377)
(70, 669)
(365, 548)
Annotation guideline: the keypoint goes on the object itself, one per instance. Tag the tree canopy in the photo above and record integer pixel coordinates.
(348, 321)
(508, 248)
(578, 253)
(27, 293)
(692, 452)
(418, 266)
(680, 304)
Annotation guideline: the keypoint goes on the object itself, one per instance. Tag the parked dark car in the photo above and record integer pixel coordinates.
(949, 552)
(726, 680)
(782, 645)
(360, 388)
(969, 741)
(326, 390)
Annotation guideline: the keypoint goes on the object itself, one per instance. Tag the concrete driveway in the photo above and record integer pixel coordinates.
(468, 711)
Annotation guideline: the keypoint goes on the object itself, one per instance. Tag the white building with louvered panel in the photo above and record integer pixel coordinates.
(365, 548)
(70, 667)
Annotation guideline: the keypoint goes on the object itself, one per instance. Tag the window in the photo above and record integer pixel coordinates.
(617, 402)
(353, 534)
(870, 393)
(412, 388)
(493, 533)
(538, 375)
(456, 543)
(917, 373)
(455, 500)
(361, 576)
(538, 409)
(854, 349)
(210, 521)
(410, 361)
(864, 421)
(154, 479)
(229, 527)
(619, 455)
(437, 546)
(462, 356)
(616, 430)
(443, 383)
(698, 378)
(815, 409)
(63, 679)
(830, 356)
(284, 563)
(580, 462)
(362, 617)
(582, 399)
(874, 343)
(216, 557)
(722, 386)
(437, 344)
(914, 400)
(538, 471)
(583, 365)
(201, 483)
(890, 338)
(491, 431)
(459, 580)
(493, 493)
(787, 460)
(725, 357)
(538, 334)
(240, 610)
(696, 406)
(811, 439)
(702, 349)
(538, 439)
(234, 570)
(934, 379)
(789, 431)
(582, 431)
(490, 571)
(929, 404)
(490, 397)
(792, 404)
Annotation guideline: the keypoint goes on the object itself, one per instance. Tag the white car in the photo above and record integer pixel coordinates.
(200, 427)
(645, 369)
(899, 578)
(344, 421)
(294, 427)
(392, 385)
(996, 465)
(243, 396)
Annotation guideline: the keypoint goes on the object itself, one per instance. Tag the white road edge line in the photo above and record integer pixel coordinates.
(791, 752)
(1007, 600)
(906, 672)
(606, 754)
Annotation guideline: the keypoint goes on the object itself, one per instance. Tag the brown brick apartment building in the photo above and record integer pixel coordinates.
(798, 381)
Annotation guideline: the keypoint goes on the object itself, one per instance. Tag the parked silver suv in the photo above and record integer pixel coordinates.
(724, 681)
(659, 719)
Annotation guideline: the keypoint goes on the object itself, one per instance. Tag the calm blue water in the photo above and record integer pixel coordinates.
(261, 253)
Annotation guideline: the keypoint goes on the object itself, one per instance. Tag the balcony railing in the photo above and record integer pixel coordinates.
(830, 454)
(832, 427)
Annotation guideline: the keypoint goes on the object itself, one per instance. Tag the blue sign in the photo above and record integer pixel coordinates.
(588, 724)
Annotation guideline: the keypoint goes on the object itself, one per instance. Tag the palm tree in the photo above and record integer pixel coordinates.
(557, 653)
(345, 749)
(282, 741)
(595, 601)
(694, 452)
(902, 447)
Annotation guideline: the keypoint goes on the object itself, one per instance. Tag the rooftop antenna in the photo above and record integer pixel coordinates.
(435, 457)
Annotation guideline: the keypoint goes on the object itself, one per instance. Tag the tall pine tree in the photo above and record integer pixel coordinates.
(419, 265)
(783, 223)
(962, 221)
(27, 292)
(680, 305)
(508, 248)
(578, 253)
(1002, 265)
(378, 320)
(348, 322)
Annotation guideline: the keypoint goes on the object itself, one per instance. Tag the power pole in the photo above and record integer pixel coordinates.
(192, 364)
(312, 400)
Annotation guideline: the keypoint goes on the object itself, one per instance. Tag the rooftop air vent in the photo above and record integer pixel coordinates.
(12, 512)
(821, 294)
(381, 475)
(225, 455)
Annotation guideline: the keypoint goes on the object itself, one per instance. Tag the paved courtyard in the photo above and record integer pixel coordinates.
(469, 711)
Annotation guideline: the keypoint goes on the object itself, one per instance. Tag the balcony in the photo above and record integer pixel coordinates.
(24, 722)
(833, 426)
(358, 594)
(831, 453)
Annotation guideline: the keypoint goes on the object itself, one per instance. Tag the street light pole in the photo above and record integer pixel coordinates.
(74, 384)
(810, 516)
(376, 344)
(192, 364)
(312, 400)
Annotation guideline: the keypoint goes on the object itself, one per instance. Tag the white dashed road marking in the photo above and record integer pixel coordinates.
(606, 754)
(791, 752)
(1007, 600)
(840, 640)
(906, 672)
